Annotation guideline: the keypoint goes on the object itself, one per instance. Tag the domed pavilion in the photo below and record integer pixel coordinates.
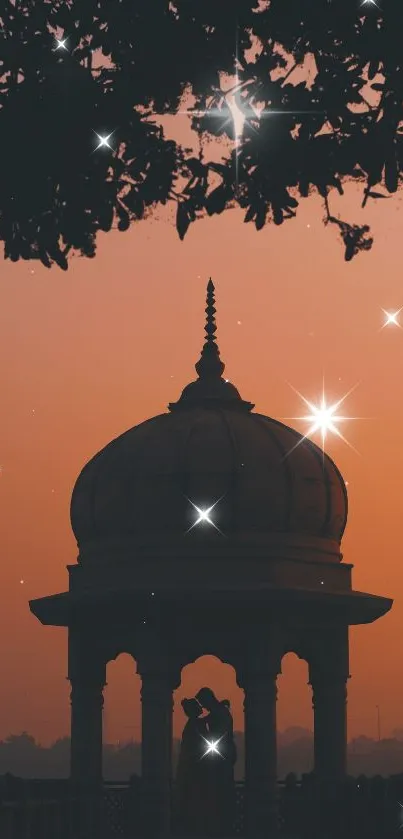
(210, 530)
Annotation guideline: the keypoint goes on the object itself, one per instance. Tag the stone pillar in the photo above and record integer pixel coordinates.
(156, 752)
(258, 681)
(86, 731)
(87, 673)
(328, 674)
(330, 727)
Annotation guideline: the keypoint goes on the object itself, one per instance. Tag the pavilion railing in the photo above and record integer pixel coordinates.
(369, 809)
(36, 814)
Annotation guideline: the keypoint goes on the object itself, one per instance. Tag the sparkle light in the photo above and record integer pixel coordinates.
(212, 747)
(103, 141)
(391, 318)
(369, 3)
(240, 113)
(204, 515)
(323, 418)
(400, 815)
(61, 44)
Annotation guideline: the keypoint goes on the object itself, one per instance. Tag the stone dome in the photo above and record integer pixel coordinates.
(258, 477)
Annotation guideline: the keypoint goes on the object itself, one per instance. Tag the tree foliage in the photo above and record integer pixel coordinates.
(342, 121)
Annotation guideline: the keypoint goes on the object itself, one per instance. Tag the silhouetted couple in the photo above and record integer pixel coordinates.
(205, 776)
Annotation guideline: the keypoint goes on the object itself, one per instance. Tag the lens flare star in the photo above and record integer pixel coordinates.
(240, 112)
(212, 748)
(323, 418)
(238, 107)
(103, 141)
(204, 515)
(61, 44)
(391, 318)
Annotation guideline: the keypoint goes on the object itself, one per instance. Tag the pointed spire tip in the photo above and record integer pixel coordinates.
(210, 364)
(210, 389)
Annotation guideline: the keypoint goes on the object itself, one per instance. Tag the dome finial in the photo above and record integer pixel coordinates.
(210, 365)
(210, 390)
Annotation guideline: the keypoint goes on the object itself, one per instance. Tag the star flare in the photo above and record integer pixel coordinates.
(323, 417)
(103, 141)
(391, 318)
(204, 515)
(212, 747)
(61, 44)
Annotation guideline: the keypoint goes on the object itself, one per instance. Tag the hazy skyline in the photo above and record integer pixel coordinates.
(74, 347)
(22, 756)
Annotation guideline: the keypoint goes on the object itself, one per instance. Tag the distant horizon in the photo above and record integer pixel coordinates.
(22, 756)
(396, 735)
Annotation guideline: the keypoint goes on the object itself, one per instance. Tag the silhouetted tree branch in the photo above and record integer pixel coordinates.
(328, 75)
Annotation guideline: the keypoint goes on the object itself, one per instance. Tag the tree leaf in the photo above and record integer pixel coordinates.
(182, 220)
(250, 214)
(376, 195)
(217, 200)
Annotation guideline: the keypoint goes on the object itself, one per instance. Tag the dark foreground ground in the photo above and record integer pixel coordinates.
(363, 808)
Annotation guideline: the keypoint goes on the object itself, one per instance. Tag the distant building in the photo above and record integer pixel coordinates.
(210, 530)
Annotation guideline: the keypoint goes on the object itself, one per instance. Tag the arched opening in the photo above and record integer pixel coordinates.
(294, 718)
(122, 720)
(210, 671)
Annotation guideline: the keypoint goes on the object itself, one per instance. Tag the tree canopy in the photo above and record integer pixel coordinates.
(320, 82)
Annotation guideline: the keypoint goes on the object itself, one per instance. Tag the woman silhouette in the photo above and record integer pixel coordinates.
(219, 787)
(191, 773)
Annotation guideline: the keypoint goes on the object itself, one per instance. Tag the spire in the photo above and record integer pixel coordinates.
(210, 390)
(210, 365)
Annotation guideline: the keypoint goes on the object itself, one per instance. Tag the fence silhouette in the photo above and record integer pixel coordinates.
(62, 813)
(363, 809)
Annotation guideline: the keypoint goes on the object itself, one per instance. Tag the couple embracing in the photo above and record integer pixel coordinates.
(205, 788)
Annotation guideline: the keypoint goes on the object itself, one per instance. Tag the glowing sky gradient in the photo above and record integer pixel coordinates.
(88, 354)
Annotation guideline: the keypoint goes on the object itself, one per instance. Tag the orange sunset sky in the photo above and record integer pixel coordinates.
(89, 353)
